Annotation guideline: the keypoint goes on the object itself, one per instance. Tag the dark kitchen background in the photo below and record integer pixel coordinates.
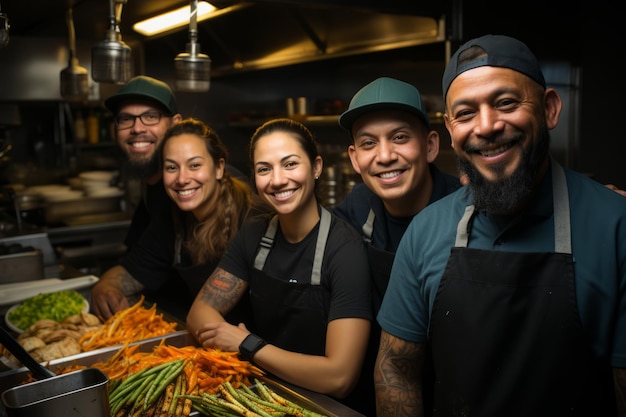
(265, 52)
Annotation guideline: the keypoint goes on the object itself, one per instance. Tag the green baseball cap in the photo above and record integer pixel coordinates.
(384, 93)
(143, 87)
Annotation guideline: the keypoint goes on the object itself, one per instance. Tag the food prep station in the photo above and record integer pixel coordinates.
(313, 401)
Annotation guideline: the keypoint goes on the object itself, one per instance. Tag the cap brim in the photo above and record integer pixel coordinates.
(347, 119)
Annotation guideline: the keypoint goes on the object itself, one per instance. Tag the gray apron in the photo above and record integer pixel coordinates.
(506, 335)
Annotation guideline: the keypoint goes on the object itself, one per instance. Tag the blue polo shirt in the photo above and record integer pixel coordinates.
(598, 224)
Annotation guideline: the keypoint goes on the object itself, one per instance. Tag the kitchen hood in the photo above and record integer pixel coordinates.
(245, 36)
(267, 35)
(262, 35)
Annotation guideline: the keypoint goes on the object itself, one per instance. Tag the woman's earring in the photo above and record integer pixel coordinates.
(317, 178)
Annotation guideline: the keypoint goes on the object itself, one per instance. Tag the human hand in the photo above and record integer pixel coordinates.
(222, 335)
(617, 190)
(107, 299)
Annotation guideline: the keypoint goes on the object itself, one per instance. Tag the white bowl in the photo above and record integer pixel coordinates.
(16, 329)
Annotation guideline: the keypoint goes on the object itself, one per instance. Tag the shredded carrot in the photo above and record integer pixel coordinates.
(129, 325)
(206, 369)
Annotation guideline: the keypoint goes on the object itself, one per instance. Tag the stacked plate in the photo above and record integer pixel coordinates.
(55, 193)
(98, 184)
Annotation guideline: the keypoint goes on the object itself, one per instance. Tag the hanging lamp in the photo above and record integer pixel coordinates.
(193, 69)
(74, 78)
(111, 59)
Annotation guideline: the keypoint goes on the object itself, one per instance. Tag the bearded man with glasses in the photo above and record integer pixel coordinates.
(144, 109)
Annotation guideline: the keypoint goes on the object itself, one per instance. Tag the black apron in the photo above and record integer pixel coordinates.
(292, 316)
(194, 276)
(506, 335)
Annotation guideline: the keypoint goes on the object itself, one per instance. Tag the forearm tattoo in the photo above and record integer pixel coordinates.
(398, 378)
(222, 290)
(127, 284)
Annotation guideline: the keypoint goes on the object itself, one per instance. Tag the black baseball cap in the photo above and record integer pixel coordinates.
(384, 93)
(501, 51)
(143, 87)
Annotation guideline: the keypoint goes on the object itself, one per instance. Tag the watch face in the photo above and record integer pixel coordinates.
(250, 345)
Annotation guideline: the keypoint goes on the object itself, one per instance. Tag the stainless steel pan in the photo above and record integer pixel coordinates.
(82, 393)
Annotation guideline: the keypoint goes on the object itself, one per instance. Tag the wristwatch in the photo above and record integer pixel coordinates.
(250, 345)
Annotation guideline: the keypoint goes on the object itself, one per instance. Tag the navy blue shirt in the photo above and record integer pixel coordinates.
(388, 230)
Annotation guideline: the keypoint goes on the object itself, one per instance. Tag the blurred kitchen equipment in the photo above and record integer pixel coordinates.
(4, 29)
(26, 265)
(290, 106)
(193, 69)
(5, 147)
(74, 78)
(302, 106)
(28, 208)
(111, 60)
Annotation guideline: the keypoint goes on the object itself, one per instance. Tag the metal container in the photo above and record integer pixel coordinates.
(19, 267)
(81, 393)
(58, 211)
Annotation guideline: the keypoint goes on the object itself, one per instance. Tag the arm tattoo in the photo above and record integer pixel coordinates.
(398, 378)
(223, 290)
(127, 284)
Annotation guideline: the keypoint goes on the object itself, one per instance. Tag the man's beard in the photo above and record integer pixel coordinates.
(505, 196)
(143, 169)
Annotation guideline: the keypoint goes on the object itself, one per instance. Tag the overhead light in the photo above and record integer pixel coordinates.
(173, 19)
(111, 60)
(74, 78)
(193, 69)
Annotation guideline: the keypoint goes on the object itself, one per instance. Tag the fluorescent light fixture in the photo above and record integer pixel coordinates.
(172, 20)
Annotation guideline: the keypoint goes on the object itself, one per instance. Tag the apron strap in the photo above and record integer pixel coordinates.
(462, 229)
(322, 237)
(368, 226)
(266, 243)
(562, 227)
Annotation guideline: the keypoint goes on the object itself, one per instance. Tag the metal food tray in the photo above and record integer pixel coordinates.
(181, 338)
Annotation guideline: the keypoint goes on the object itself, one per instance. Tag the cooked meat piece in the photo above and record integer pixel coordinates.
(31, 343)
(42, 333)
(43, 324)
(90, 319)
(47, 353)
(74, 319)
(59, 334)
(69, 346)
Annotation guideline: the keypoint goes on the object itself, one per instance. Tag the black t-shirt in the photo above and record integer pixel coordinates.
(345, 270)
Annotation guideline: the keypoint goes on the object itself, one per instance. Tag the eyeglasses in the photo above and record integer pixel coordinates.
(126, 121)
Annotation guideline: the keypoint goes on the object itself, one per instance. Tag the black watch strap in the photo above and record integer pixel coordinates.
(250, 345)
